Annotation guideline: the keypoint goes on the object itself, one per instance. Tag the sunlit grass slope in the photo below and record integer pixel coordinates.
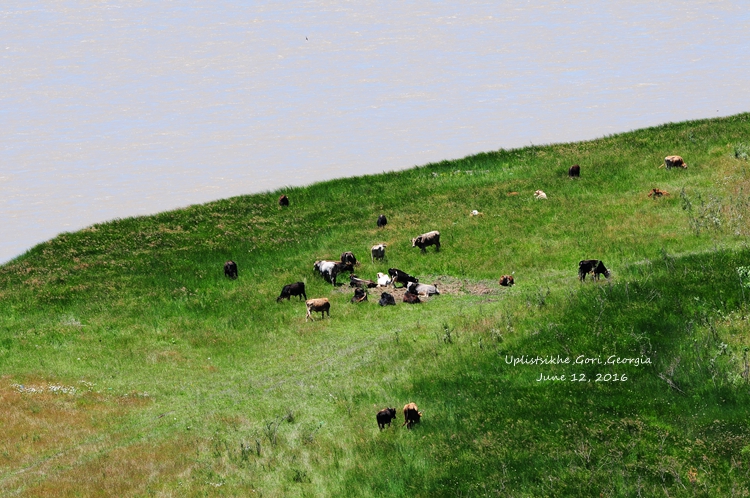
(130, 366)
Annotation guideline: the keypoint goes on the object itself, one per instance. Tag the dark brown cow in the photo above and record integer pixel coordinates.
(385, 416)
(507, 281)
(359, 295)
(574, 171)
(593, 266)
(411, 415)
(295, 289)
(355, 281)
(348, 258)
(427, 239)
(386, 299)
(411, 298)
(230, 269)
(283, 200)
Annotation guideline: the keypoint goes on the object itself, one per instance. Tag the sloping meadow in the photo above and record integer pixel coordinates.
(236, 393)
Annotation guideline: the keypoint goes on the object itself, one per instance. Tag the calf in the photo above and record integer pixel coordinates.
(507, 281)
(359, 295)
(283, 200)
(674, 162)
(386, 300)
(401, 277)
(411, 298)
(538, 194)
(411, 415)
(593, 266)
(295, 289)
(355, 281)
(422, 289)
(329, 270)
(427, 239)
(385, 416)
(377, 252)
(382, 221)
(348, 258)
(574, 171)
(230, 269)
(319, 304)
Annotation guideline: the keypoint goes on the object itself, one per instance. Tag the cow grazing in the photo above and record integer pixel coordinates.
(319, 304)
(355, 281)
(538, 194)
(674, 162)
(385, 416)
(507, 281)
(593, 266)
(382, 221)
(348, 258)
(295, 289)
(386, 300)
(574, 171)
(377, 252)
(655, 193)
(401, 277)
(230, 269)
(383, 280)
(427, 239)
(359, 295)
(411, 415)
(422, 289)
(283, 201)
(411, 298)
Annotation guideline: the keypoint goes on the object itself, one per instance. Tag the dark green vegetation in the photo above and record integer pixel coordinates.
(131, 366)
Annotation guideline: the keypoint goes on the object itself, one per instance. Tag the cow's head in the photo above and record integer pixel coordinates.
(414, 241)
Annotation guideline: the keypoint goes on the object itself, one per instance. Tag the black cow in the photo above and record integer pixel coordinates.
(283, 200)
(507, 280)
(359, 295)
(382, 221)
(574, 171)
(593, 266)
(386, 300)
(295, 289)
(348, 258)
(385, 416)
(401, 277)
(230, 269)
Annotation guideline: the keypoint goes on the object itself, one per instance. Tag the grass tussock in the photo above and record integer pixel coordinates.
(133, 367)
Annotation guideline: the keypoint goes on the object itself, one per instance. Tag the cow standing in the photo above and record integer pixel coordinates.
(283, 201)
(674, 162)
(385, 416)
(377, 252)
(593, 266)
(320, 304)
(295, 289)
(411, 415)
(230, 269)
(427, 239)
(574, 171)
(382, 221)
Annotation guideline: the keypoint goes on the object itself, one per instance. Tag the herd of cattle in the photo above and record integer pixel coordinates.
(330, 271)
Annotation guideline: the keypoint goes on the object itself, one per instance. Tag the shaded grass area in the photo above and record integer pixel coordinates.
(235, 394)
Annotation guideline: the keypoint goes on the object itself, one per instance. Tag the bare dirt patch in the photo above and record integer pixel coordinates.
(447, 285)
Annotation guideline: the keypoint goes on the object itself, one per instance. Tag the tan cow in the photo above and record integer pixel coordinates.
(674, 162)
(319, 304)
(411, 415)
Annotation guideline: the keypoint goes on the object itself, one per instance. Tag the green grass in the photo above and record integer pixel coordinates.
(190, 384)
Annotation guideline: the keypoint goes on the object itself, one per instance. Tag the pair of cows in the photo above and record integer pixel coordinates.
(412, 416)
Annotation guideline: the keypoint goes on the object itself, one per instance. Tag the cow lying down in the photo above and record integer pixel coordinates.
(422, 289)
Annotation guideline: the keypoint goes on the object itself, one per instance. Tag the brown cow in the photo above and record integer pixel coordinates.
(319, 304)
(411, 415)
(655, 192)
(507, 281)
(411, 298)
(574, 171)
(283, 200)
(674, 162)
(359, 295)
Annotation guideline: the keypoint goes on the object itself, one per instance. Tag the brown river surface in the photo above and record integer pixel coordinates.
(119, 108)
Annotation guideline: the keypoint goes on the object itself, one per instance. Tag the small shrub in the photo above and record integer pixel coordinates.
(741, 151)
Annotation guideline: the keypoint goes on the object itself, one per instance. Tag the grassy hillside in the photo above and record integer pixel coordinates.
(130, 366)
